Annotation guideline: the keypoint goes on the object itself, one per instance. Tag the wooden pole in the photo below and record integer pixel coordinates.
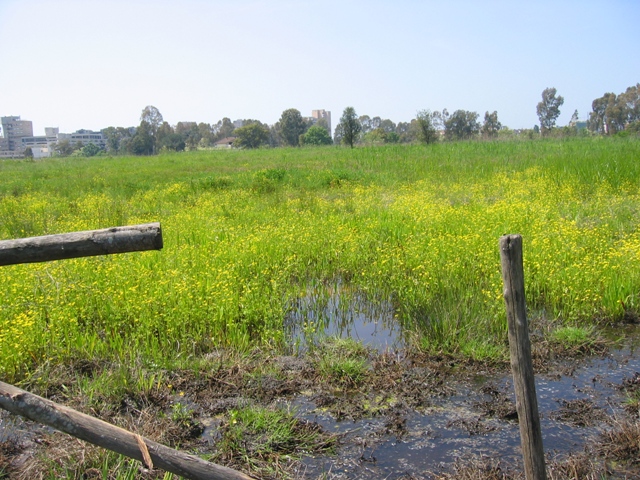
(521, 363)
(111, 437)
(133, 238)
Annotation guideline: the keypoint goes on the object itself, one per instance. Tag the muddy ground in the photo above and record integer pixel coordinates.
(406, 415)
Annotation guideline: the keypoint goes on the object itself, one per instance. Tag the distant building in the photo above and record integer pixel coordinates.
(51, 132)
(17, 136)
(84, 137)
(322, 114)
(41, 147)
(13, 131)
(226, 142)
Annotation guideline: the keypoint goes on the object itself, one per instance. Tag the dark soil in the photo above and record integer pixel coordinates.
(362, 417)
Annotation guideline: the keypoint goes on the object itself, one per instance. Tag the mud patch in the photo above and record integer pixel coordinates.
(406, 416)
(579, 413)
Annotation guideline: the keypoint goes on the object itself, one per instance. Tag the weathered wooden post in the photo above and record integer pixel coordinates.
(520, 352)
(133, 238)
(111, 437)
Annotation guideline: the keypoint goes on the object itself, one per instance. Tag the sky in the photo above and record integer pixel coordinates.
(90, 64)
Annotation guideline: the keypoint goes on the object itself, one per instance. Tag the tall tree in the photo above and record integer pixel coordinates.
(387, 125)
(173, 142)
(142, 142)
(549, 109)
(574, 119)
(292, 125)
(115, 138)
(223, 129)
(153, 118)
(427, 132)
(365, 124)
(406, 131)
(349, 126)
(162, 133)
(607, 116)
(491, 125)
(206, 134)
(631, 100)
(461, 125)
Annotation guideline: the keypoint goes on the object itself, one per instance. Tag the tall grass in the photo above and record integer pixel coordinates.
(246, 232)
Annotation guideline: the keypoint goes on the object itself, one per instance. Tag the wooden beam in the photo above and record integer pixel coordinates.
(521, 363)
(133, 238)
(111, 437)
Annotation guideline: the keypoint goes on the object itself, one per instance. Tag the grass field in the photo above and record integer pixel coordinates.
(248, 232)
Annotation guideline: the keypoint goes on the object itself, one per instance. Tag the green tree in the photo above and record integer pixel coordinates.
(349, 126)
(161, 135)
(375, 137)
(322, 122)
(317, 135)
(253, 135)
(153, 118)
(206, 134)
(365, 124)
(549, 109)
(461, 125)
(491, 125)
(631, 100)
(142, 142)
(388, 126)
(116, 139)
(28, 152)
(223, 129)
(63, 148)
(602, 117)
(292, 125)
(173, 142)
(90, 150)
(406, 133)
(427, 132)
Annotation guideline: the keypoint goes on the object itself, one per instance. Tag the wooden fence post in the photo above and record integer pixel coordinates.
(132, 238)
(521, 363)
(113, 438)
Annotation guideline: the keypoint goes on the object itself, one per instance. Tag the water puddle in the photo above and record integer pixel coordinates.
(458, 426)
(342, 314)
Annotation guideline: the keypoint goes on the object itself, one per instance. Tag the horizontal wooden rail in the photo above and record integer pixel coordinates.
(111, 437)
(132, 238)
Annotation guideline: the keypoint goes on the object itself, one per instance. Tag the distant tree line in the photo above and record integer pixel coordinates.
(611, 115)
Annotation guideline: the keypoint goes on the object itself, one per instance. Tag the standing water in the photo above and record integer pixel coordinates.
(343, 314)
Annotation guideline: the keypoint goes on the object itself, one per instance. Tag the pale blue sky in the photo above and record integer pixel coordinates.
(92, 64)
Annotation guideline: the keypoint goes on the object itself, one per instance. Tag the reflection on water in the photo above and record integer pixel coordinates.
(344, 314)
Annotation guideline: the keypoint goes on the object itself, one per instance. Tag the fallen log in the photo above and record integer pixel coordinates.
(132, 238)
(109, 436)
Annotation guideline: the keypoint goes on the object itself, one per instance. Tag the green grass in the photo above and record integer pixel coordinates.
(574, 337)
(246, 233)
(264, 440)
(342, 360)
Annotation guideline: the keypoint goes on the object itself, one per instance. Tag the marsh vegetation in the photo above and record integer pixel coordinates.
(250, 235)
